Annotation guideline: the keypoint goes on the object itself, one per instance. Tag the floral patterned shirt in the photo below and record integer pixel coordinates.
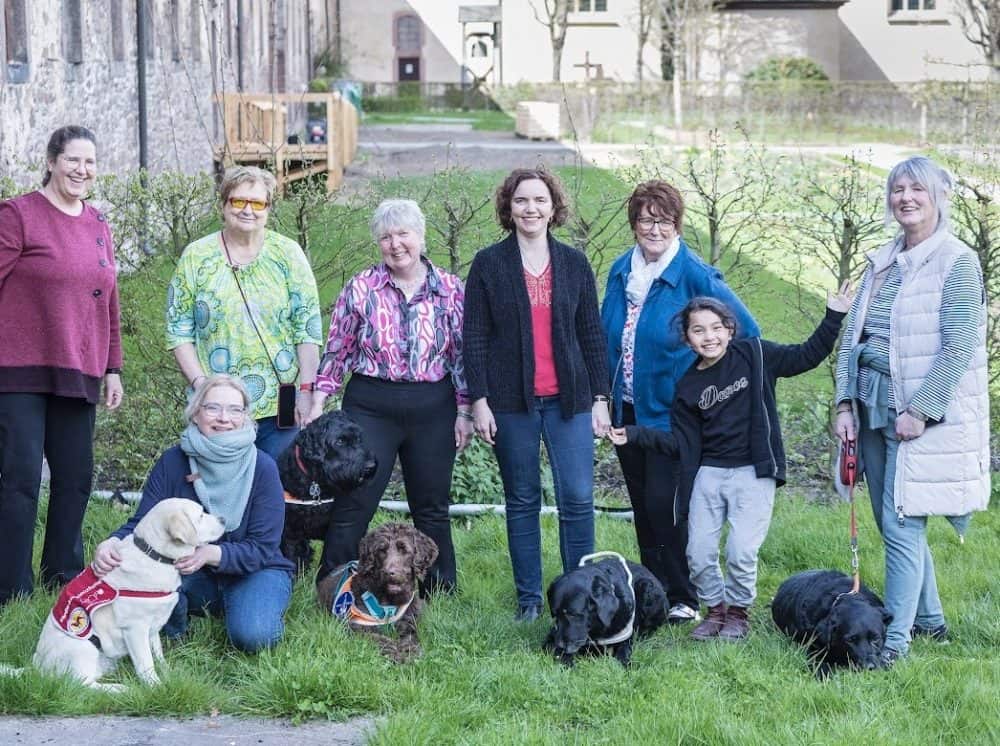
(628, 350)
(375, 331)
(204, 307)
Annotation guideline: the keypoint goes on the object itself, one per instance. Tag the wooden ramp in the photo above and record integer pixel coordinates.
(256, 133)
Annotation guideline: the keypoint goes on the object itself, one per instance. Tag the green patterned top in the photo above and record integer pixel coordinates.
(204, 307)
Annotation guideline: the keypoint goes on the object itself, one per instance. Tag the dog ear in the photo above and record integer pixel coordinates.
(181, 529)
(368, 548)
(605, 603)
(425, 550)
(825, 631)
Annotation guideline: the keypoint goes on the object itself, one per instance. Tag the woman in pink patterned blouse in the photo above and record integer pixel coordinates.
(397, 331)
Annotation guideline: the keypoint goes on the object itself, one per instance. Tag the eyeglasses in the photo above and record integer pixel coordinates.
(215, 411)
(257, 205)
(647, 223)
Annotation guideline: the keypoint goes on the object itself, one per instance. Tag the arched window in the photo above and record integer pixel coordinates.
(479, 49)
(73, 31)
(408, 34)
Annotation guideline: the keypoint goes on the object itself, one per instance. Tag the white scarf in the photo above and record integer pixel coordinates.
(642, 273)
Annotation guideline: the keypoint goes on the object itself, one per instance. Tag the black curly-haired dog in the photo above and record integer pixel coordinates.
(594, 609)
(327, 460)
(839, 628)
(380, 589)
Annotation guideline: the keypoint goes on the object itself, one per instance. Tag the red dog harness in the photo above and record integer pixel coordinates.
(82, 596)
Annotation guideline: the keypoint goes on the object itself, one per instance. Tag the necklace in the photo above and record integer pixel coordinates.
(537, 271)
(229, 257)
(408, 286)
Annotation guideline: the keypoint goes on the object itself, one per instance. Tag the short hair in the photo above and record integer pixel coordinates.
(397, 213)
(58, 142)
(505, 193)
(705, 303)
(237, 175)
(214, 381)
(659, 198)
(931, 177)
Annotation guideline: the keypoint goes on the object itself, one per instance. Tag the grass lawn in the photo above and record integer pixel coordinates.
(484, 680)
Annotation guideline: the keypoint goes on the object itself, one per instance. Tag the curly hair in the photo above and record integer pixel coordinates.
(505, 194)
(705, 303)
(660, 199)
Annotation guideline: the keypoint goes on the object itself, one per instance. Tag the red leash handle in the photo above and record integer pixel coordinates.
(849, 477)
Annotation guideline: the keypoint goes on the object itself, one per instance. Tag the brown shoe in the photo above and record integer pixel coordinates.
(737, 626)
(714, 621)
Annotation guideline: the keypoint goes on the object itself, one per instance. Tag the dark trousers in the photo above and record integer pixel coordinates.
(651, 479)
(415, 421)
(63, 430)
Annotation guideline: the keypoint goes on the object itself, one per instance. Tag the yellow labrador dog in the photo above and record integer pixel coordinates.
(97, 621)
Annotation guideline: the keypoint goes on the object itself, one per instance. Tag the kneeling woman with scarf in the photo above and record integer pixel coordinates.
(216, 463)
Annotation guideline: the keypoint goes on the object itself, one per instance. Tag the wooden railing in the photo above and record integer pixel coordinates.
(256, 132)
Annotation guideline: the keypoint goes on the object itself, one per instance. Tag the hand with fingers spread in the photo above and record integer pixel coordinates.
(841, 299)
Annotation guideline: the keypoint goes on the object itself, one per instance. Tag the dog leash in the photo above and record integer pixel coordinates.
(849, 477)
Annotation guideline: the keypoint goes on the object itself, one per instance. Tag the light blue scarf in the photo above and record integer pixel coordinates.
(225, 465)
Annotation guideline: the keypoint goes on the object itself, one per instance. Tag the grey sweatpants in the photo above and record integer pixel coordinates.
(746, 501)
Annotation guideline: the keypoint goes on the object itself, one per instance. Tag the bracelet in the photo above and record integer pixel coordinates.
(465, 415)
(113, 371)
(916, 415)
(195, 380)
(307, 387)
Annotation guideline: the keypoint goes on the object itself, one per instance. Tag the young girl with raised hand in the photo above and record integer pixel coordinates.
(725, 432)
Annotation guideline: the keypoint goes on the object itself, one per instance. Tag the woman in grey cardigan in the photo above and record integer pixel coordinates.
(537, 371)
(912, 387)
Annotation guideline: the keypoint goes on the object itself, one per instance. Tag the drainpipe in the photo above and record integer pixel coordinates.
(239, 45)
(140, 91)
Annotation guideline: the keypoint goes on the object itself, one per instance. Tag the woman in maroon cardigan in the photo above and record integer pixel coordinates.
(59, 342)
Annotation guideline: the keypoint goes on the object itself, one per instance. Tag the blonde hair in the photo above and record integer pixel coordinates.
(237, 175)
(214, 381)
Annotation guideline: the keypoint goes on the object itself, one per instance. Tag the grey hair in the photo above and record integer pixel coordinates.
(931, 177)
(398, 213)
(236, 175)
(214, 381)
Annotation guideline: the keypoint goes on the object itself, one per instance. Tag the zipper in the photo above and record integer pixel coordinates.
(767, 417)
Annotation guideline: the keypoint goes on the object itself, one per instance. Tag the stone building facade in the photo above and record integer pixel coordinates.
(74, 62)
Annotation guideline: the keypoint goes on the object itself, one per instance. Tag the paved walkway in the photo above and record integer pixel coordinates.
(222, 730)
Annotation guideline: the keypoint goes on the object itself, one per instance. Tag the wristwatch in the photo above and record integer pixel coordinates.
(307, 387)
(916, 415)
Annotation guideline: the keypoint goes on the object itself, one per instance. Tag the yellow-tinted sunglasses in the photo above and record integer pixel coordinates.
(257, 205)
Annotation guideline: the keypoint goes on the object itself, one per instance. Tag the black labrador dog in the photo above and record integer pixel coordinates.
(596, 609)
(840, 628)
(327, 460)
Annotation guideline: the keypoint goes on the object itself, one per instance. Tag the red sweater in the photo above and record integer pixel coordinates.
(59, 325)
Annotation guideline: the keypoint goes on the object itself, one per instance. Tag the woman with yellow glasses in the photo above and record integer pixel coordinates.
(243, 301)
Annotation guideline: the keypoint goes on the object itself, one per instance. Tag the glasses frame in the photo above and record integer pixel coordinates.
(228, 409)
(257, 205)
(664, 223)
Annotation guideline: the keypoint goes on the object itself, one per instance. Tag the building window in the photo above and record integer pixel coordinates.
(195, 21)
(175, 30)
(408, 34)
(150, 27)
(589, 6)
(73, 31)
(900, 5)
(16, 40)
(117, 31)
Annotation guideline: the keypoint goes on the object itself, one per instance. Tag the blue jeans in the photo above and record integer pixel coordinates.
(911, 593)
(570, 446)
(271, 440)
(253, 606)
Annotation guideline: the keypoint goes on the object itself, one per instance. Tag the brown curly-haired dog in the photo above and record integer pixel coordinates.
(381, 588)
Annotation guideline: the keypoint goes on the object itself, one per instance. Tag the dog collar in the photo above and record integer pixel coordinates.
(314, 489)
(626, 632)
(143, 547)
(367, 610)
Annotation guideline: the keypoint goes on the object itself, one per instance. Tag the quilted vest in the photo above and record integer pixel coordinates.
(946, 471)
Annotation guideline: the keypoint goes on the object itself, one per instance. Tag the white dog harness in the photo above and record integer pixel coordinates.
(627, 631)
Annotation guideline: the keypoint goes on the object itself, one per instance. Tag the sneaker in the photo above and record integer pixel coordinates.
(737, 626)
(528, 613)
(938, 634)
(714, 621)
(682, 613)
(890, 656)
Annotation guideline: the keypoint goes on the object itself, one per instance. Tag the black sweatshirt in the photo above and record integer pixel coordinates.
(744, 385)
